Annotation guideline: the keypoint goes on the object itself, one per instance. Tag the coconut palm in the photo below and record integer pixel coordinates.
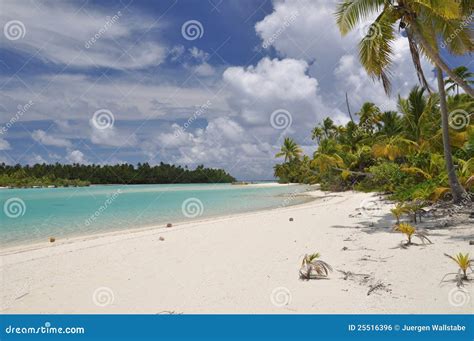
(423, 22)
(390, 123)
(464, 263)
(369, 116)
(314, 268)
(464, 73)
(410, 231)
(398, 211)
(290, 150)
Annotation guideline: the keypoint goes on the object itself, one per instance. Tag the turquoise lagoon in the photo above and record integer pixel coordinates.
(32, 215)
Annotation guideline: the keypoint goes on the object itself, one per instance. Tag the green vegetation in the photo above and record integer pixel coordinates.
(83, 175)
(418, 152)
(398, 152)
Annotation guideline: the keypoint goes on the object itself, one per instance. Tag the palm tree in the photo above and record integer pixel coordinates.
(390, 123)
(317, 134)
(369, 115)
(423, 22)
(290, 150)
(464, 73)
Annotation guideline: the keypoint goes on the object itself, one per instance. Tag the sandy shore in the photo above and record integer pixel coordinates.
(246, 264)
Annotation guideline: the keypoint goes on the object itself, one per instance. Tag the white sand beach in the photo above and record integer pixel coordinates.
(245, 264)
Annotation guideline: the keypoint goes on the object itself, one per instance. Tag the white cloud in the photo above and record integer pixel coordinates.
(48, 140)
(4, 145)
(76, 156)
(76, 36)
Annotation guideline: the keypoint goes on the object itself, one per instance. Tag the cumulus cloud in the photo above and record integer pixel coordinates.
(4, 145)
(48, 140)
(76, 156)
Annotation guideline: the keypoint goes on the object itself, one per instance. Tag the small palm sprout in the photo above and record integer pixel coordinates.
(410, 231)
(314, 268)
(416, 208)
(464, 263)
(398, 211)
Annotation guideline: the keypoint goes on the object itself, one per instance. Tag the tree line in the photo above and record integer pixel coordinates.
(82, 175)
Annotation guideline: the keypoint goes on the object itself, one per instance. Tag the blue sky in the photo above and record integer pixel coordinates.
(124, 81)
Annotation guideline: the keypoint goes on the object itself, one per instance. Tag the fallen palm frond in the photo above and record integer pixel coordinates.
(314, 268)
(410, 231)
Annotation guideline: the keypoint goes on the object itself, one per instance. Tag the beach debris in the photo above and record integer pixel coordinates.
(377, 286)
(52, 239)
(465, 264)
(410, 231)
(471, 242)
(345, 248)
(291, 219)
(350, 274)
(169, 225)
(314, 268)
(161, 238)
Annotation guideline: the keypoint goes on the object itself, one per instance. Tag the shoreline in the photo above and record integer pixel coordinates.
(35, 245)
(247, 264)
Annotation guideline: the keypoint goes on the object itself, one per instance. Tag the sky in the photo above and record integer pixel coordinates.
(187, 82)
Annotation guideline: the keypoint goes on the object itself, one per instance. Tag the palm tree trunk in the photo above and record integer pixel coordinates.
(456, 189)
(435, 57)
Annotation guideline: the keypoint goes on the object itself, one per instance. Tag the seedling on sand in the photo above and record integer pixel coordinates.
(314, 268)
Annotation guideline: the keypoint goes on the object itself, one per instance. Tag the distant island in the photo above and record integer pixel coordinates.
(77, 175)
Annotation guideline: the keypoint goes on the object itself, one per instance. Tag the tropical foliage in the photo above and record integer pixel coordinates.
(399, 152)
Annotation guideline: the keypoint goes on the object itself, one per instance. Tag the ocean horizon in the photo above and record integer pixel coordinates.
(80, 211)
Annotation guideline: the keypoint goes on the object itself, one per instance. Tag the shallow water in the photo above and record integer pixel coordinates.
(30, 215)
